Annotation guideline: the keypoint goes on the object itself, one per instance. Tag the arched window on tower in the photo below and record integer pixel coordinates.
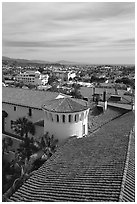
(63, 118)
(57, 118)
(76, 118)
(82, 116)
(70, 118)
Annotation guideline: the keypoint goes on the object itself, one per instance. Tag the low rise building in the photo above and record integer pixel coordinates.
(71, 75)
(19, 103)
(65, 75)
(62, 116)
(32, 77)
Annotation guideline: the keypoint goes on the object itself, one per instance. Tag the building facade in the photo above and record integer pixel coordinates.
(61, 115)
(65, 75)
(18, 103)
(15, 112)
(32, 77)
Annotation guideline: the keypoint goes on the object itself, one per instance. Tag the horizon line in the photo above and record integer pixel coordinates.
(47, 61)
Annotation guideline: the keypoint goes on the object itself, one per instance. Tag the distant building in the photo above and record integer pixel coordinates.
(71, 75)
(86, 84)
(61, 75)
(32, 77)
(3, 84)
(44, 88)
(64, 75)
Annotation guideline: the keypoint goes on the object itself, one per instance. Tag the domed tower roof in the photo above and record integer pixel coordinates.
(65, 105)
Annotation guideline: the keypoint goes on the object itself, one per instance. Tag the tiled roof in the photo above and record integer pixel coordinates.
(128, 187)
(65, 105)
(25, 97)
(84, 169)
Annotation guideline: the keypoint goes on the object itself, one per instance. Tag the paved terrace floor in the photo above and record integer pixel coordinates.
(119, 105)
(84, 169)
(97, 120)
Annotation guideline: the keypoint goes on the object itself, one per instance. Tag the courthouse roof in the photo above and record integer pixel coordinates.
(30, 98)
(65, 105)
(86, 169)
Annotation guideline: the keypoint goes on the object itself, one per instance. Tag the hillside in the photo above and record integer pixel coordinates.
(26, 61)
(23, 61)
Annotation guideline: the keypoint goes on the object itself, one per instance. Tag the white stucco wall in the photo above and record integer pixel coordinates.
(65, 130)
(39, 131)
(22, 111)
(16, 142)
(61, 130)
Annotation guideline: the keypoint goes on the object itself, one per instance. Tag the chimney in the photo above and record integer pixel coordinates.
(104, 96)
(93, 90)
(105, 100)
(93, 93)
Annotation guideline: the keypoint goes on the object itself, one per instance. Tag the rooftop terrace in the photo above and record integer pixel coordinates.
(97, 120)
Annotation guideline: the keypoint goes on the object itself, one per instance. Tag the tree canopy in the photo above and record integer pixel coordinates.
(23, 126)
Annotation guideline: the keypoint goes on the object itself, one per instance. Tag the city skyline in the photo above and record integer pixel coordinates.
(79, 32)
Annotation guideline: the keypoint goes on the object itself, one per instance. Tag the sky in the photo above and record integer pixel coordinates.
(96, 33)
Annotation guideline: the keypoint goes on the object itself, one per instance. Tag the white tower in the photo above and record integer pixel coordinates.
(66, 117)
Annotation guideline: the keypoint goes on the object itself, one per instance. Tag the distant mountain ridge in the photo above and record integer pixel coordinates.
(36, 61)
(24, 60)
(61, 62)
(66, 62)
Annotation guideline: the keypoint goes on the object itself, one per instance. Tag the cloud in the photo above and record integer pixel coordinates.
(69, 41)
(127, 41)
(68, 27)
(37, 44)
(95, 11)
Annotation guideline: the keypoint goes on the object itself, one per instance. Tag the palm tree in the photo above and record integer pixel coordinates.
(27, 148)
(46, 147)
(48, 144)
(23, 126)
